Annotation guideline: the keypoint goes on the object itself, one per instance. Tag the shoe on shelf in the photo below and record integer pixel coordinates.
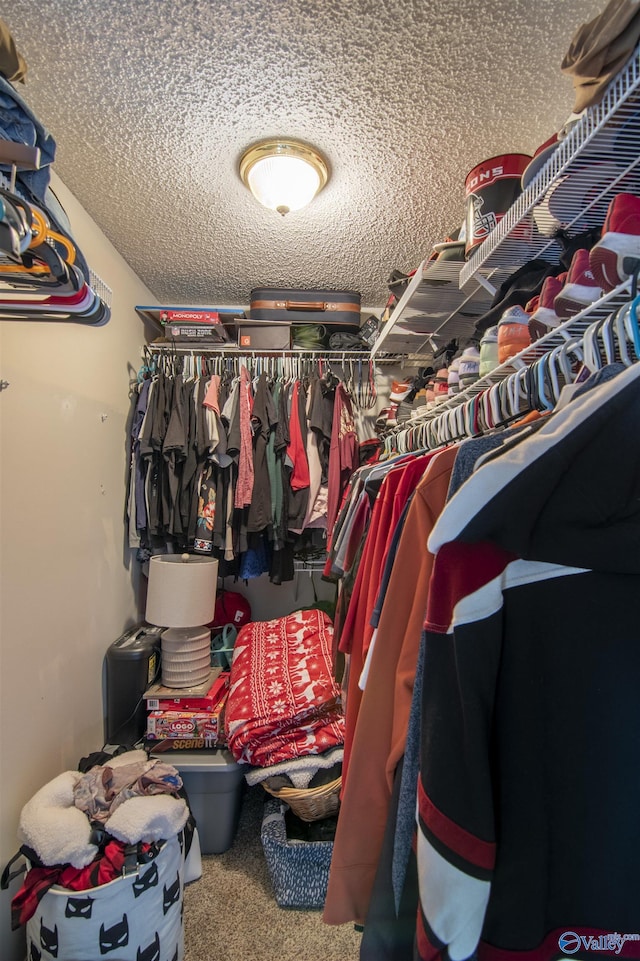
(453, 378)
(513, 333)
(441, 385)
(580, 288)
(420, 400)
(404, 411)
(400, 389)
(392, 416)
(381, 420)
(469, 366)
(544, 318)
(613, 258)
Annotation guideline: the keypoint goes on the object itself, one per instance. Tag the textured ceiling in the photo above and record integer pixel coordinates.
(151, 104)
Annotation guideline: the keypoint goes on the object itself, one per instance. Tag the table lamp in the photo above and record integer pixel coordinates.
(181, 597)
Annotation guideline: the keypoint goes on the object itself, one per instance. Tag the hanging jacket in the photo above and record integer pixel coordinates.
(529, 786)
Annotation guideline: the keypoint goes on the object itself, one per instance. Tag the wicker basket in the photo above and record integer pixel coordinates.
(310, 804)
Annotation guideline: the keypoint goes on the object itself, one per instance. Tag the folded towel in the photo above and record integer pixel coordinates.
(148, 818)
(300, 770)
(53, 826)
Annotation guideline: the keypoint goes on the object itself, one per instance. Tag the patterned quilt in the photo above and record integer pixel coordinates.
(283, 700)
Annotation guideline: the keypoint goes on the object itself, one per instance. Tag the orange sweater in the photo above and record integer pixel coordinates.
(383, 715)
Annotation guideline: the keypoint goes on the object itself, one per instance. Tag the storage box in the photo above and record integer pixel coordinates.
(299, 871)
(214, 783)
(207, 724)
(264, 336)
(160, 698)
(202, 333)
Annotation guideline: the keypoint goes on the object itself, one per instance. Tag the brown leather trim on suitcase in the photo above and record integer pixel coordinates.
(297, 305)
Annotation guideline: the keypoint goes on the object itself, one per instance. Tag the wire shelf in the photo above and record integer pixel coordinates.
(100, 288)
(571, 330)
(433, 310)
(599, 158)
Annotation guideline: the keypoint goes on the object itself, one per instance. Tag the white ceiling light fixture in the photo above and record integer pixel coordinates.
(283, 175)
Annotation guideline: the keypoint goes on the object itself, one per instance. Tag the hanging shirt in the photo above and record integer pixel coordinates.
(343, 455)
(296, 449)
(244, 485)
(174, 449)
(263, 421)
(299, 478)
(316, 515)
(380, 731)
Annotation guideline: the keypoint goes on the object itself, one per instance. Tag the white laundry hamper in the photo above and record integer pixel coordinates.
(136, 917)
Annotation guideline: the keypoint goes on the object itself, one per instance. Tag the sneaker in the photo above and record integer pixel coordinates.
(420, 400)
(381, 419)
(580, 288)
(453, 378)
(612, 258)
(441, 385)
(513, 333)
(430, 389)
(488, 351)
(567, 203)
(392, 416)
(544, 318)
(400, 389)
(469, 367)
(532, 305)
(404, 411)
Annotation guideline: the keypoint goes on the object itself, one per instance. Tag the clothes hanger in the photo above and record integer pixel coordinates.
(606, 337)
(622, 336)
(496, 409)
(18, 213)
(9, 237)
(542, 379)
(562, 357)
(555, 372)
(487, 421)
(633, 312)
(593, 358)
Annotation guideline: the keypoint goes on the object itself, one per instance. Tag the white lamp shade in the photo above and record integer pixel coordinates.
(283, 182)
(182, 590)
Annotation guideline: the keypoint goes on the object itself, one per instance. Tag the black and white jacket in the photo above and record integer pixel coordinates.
(529, 791)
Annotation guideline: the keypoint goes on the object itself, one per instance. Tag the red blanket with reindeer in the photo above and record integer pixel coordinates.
(283, 700)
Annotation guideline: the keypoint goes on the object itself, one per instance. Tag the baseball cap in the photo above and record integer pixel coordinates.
(231, 608)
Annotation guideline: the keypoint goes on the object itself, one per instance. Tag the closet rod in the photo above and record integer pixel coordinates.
(335, 356)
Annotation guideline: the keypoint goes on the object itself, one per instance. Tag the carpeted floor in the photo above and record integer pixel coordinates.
(231, 913)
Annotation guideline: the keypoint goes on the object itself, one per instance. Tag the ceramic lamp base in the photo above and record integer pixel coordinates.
(186, 657)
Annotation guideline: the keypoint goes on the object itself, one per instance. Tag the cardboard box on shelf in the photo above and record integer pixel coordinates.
(206, 333)
(187, 724)
(160, 698)
(185, 315)
(264, 336)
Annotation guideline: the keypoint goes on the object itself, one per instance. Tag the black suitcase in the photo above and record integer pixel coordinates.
(288, 305)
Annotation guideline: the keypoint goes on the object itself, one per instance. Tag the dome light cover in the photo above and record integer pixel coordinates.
(283, 175)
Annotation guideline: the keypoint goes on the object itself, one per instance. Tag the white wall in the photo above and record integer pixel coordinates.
(69, 584)
(269, 600)
(67, 580)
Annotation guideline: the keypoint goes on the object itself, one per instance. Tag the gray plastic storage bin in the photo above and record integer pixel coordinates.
(214, 782)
